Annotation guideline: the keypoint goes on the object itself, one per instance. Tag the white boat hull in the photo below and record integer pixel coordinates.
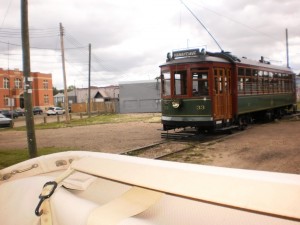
(114, 189)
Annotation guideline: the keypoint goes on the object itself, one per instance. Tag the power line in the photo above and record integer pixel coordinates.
(84, 51)
(34, 47)
(202, 24)
(6, 12)
(74, 45)
(34, 33)
(235, 21)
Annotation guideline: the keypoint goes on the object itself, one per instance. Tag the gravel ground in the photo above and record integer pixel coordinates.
(271, 147)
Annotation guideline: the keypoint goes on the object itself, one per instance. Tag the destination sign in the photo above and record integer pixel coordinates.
(186, 53)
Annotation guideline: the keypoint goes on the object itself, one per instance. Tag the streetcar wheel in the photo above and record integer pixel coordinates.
(242, 123)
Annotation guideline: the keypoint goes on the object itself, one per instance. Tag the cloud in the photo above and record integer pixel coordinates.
(130, 38)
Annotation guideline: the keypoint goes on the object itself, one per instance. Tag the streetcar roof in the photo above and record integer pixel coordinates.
(225, 58)
(251, 62)
(201, 58)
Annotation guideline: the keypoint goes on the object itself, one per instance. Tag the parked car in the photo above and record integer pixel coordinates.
(9, 114)
(55, 111)
(20, 112)
(37, 110)
(5, 122)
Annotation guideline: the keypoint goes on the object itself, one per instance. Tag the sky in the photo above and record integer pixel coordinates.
(131, 38)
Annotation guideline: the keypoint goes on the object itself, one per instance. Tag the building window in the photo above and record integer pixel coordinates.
(6, 100)
(18, 83)
(46, 99)
(45, 84)
(6, 83)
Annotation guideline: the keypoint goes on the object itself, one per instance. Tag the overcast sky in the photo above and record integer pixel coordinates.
(131, 38)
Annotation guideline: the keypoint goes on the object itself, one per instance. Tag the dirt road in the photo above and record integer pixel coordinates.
(271, 147)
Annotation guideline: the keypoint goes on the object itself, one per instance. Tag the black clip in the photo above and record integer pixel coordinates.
(43, 197)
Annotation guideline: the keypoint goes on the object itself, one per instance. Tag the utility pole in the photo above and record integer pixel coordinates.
(89, 97)
(287, 48)
(10, 101)
(31, 140)
(66, 102)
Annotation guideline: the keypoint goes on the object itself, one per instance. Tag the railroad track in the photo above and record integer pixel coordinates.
(175, 142)
(168, 147)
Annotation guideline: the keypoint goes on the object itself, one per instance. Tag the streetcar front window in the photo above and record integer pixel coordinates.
(180, 83)
(166, 83)
(200, 82)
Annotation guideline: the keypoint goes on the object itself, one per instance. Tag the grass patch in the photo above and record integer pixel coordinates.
(10, 157)
(99, 119)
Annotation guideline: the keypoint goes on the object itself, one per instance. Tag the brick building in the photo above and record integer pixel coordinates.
(12, 89)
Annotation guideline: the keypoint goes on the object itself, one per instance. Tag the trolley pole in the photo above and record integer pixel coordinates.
(31, 140)
(66, 102)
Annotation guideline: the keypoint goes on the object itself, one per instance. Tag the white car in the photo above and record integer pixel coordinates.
(55, 111)
(6, 122)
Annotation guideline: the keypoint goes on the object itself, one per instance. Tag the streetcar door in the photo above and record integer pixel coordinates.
(222, 97)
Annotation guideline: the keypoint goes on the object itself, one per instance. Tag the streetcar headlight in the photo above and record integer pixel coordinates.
(176, 104)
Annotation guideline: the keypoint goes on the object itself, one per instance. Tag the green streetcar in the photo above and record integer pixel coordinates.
(211, 91)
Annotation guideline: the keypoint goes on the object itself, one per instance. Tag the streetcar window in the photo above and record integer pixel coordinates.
(180, 86)
(221, 81)
(244, 85)
(227, 84)
(271, 82)
(166, 83)
(200, 82)
(248, 85)
(248, 81)
(255, 73)
(241, 80)
(266, 74)
(275, 82)
(280, 84)
(241, 85)
(241, 71)
(248, 72)
(266, 84)
(285, 83)
(260, 87)
(216, 81)
(260, 83)
(216, 85)
(254, 82)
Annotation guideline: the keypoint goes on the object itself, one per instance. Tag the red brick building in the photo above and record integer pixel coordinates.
(12, 89)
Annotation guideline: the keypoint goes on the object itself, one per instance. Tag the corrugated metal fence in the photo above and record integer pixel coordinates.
(100, 107)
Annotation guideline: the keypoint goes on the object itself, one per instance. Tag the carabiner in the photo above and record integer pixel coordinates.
(42, 196)
(37, 209)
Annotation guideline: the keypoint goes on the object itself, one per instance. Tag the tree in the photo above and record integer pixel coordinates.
(55, 91)
(71, 88)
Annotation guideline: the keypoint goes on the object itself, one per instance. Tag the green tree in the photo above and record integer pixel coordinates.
(71, 88)
(55, 91)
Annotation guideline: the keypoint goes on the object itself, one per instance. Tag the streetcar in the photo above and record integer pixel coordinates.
(219, 91)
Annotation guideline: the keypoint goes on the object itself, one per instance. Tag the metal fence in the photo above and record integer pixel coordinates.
(99, 107)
